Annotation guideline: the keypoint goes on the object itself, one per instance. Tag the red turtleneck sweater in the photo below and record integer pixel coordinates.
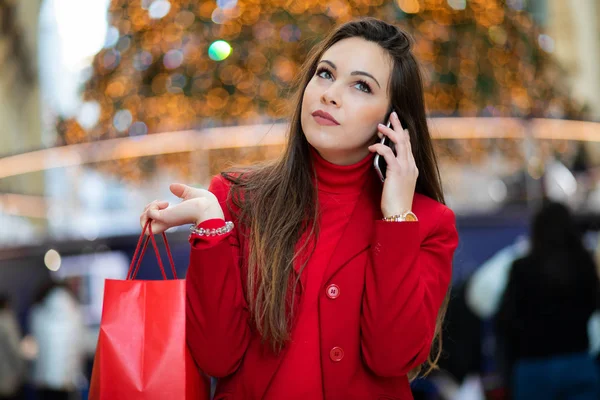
(339, 188)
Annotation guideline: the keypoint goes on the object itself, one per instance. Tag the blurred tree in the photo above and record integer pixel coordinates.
(184, 64)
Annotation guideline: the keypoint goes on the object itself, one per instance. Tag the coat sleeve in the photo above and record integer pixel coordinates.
(217, 326)
(405, 286)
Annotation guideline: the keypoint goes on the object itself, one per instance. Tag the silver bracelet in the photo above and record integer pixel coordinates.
(194, 230)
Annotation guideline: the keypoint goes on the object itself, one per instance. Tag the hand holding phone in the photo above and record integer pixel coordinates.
(396, 166)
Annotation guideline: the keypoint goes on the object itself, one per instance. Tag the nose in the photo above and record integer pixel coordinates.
(331, 96)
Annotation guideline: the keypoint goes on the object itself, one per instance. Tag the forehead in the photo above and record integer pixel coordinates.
(358, 54)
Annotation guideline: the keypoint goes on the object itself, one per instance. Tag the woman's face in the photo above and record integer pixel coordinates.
(351, 86)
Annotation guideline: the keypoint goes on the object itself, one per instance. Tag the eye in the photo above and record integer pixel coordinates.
(363, 86)
(324, 73)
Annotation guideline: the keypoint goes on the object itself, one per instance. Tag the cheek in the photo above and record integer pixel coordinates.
(309, 93)
(363, 122)
(362, 133)
(310, 100)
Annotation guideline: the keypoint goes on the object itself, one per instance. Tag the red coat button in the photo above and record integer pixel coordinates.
(333, 291)
(336, 354)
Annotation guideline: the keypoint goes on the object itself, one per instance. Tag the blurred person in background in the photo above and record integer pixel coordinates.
(12, 363)
(552, 291)
(56, 323)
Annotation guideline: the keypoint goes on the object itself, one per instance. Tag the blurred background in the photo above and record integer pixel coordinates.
(104, 103)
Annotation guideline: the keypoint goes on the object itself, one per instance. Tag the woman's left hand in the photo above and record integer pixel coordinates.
(401, 174)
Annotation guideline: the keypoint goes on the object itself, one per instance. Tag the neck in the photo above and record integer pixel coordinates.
(342, 158)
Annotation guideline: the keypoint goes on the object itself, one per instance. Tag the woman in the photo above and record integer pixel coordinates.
(312, 295)
(543, 318)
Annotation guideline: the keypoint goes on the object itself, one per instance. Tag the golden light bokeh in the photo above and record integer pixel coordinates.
(480, 58)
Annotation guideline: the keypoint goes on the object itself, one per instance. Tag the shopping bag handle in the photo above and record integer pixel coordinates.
(136, 261)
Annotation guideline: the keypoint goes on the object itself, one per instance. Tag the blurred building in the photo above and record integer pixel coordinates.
(20, 110)
(573, 27)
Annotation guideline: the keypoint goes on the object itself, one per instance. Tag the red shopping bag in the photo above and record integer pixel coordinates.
(142, 351)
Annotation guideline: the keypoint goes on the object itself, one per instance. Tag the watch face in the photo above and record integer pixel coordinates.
(411, 217)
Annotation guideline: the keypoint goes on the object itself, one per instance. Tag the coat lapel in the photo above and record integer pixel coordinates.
(359, 230)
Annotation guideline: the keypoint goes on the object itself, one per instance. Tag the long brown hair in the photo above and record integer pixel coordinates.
(277, 200)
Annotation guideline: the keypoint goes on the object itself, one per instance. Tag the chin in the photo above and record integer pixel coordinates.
(322, 143)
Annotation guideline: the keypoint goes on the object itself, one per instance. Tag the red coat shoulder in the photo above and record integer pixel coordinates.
(220, 187)
(432, 214)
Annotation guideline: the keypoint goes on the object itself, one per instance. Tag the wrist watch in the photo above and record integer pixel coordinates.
(407, 216)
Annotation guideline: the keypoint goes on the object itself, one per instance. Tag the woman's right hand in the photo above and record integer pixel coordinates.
(198, 205)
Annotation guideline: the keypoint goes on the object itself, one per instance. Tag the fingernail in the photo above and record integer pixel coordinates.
(395, 115)
(382, 125)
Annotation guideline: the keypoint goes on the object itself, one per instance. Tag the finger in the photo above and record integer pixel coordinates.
(162, 205)
(403, 136)
(155, 214)
(149, 204)
(177, 189)
(178, 214)
(185, 192)
(402, 150)
(379, 132)
(401, 144)
(155, 205)
(144, 220)
(158, 205)
(385, 152)
(157, 228)
(396, 124)
(153, 209)
(409, 156)
(389, 132)
(404, 153)
(144, 216)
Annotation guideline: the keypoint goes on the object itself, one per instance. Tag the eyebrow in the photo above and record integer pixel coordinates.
(353, 72)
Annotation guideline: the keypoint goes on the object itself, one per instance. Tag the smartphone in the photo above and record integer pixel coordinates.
(379, 161)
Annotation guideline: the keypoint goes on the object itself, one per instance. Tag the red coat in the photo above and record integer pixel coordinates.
(391, 280)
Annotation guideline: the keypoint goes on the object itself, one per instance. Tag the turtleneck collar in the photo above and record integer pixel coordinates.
(342, 179)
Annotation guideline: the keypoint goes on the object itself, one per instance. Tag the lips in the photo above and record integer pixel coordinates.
(321, 115)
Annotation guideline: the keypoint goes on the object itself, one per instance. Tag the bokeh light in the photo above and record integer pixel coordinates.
(219, 50)
(112, 37)
(457, 4)
(226, 4)
(142, 60)
(159, 9)
(138, 129)
(173, 59)
(546, 43)
(122, 120)
(52, 260)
